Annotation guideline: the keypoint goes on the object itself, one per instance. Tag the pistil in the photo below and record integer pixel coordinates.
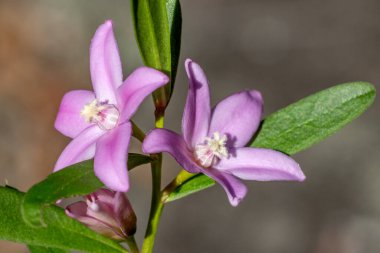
(105, 115)
(211, 150)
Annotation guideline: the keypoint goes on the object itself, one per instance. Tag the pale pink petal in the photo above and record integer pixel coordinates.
(80, 148)
(121, 204)
(104, 196)
(163, 140)
(103, 229)
(261, 165)
(104, 214)
(69, 120)
(196, 116)
(105, 64)
(238, 116)
(235, 189)
(104, 199)
(110, 163)
(139, 84)
(78, 211)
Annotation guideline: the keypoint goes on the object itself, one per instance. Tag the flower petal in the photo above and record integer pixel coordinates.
(104, 214)
(163, 140)
(196, 117)
(110, 163)
(79, 149)
(238, 116)
(103, 229)
(261, 165)
(121, 206)
(139, 84)
(125, 214)
(105, 64)
(234, 188)
(69, 121)
(78, 211)
(105, 196)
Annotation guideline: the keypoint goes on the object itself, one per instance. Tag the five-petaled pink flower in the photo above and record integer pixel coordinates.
(214, 141)
(98, 121)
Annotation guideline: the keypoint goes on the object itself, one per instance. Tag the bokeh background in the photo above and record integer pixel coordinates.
(287, 49)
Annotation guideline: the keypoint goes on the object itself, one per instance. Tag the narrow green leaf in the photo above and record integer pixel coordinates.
(175, 26)
(195, 184)
(135, 160)
(61, 232)
(312, 119)
(78, 179)
(302, 124)
(157, 26)
(40, 249)
(153, 38)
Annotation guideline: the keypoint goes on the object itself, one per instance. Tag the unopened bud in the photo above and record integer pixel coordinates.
(106, 212)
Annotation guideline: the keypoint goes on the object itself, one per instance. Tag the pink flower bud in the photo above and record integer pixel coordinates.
(106, 212)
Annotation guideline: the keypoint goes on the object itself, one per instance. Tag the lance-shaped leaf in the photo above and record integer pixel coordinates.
(40, 249)
(61, 232)
(302, 124)
(314, 118)
(75, 180)
(175, 26)
(158, 32)
(195, 184)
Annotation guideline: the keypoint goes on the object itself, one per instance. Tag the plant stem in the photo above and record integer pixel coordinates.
(137, 132)
(132, 244)
(151, 231)
(156, 204)
(159, 114)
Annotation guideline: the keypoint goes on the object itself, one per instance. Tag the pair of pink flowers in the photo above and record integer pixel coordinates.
(213, 140)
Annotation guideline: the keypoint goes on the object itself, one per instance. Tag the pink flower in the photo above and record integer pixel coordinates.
(213, 141)
(98, 121)
(106, 212)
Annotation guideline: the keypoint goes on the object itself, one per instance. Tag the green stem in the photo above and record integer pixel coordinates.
(156, 204)
(159, 115)
(151, 231)
(137, 132)
(132, 244)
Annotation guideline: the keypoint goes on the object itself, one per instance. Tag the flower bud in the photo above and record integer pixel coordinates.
(106, 212)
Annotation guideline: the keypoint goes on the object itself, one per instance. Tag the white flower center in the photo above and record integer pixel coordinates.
(211, 150)
(105, 115)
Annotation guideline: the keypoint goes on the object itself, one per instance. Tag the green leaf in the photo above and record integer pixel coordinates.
(302, 124)
(195, 184)
(157, 26)
(312, 119)
(175, 26)
(135, 160)
(75, 180)
(39, 249)
(61, 232)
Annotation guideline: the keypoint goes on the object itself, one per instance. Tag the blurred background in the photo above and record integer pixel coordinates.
(287, 49)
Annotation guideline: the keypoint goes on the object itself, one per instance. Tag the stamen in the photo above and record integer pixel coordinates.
(91, 203)
(211, 150)
(105, 115)
(93, 206)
